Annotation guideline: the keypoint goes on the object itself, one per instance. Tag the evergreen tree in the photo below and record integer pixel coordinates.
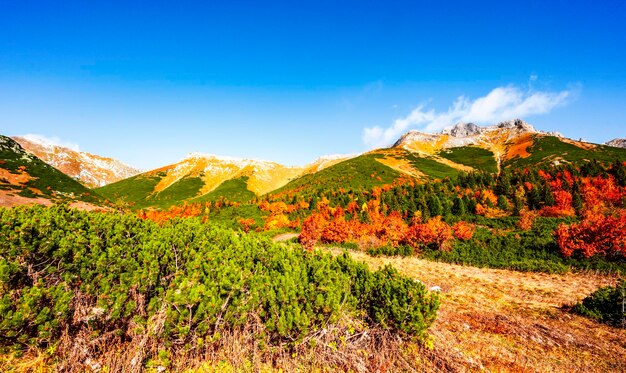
(548, 197)
(503, 185)
(534, 198)
(434, 205)
(577, 199)
(503, 204)
(618, 170)
(423, 207)
(518, 205)
(458, 207)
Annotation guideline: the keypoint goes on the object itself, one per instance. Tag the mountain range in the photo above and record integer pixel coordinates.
(24, 179)
(90, 169)
(199, 177)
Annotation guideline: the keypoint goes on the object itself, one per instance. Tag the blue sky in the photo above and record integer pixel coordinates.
(148, 82)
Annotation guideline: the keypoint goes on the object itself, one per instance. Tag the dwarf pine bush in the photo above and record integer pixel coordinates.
(607, 305)
(66, 271)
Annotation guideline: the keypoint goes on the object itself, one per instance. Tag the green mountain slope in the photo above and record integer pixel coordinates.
(24, 175)
(550, 149)
(362, 172)
(472, 156)
(139, 191)
(134, 190)
(382, 166)
(234, 190)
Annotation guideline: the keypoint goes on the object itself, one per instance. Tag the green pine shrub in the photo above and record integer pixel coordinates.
(606, 305)
(67, 271)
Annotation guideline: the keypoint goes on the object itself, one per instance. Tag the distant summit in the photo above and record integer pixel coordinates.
(466, 134)
(25, 179)
(203, 177)
(617, 143)
(90, 169)
(462, 130)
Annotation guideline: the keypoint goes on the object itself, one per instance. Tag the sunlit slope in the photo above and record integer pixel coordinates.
(471, 156)
(554, 150)
(201, 177)
(378, 167)
(90, 169)
(464, 147)
(467, 147)
(234, 190)
(24, 179)
(364, 171)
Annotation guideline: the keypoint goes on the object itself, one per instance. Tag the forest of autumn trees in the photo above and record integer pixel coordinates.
(432, 214)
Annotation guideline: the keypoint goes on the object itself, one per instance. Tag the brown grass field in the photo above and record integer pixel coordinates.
(499, 320)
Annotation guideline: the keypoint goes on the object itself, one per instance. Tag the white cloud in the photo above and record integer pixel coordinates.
(44, 140)
(502, 103)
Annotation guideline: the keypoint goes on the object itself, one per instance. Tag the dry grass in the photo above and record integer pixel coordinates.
(347, 346)
(519, 147)
(580, 144)
(501, 320)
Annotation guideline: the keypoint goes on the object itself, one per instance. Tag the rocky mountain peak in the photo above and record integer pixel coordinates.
(516, 124)
(462, 129)
(90, 169)
(415, 136)
(617, 143)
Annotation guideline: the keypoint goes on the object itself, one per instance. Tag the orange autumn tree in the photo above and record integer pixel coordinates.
(338, 229)
(602, 230)
(312, 228)
(276, 218)
(181, 211)
(463, 231)
(246, 223)
(392, 229)
(595, 234)
(435, 232)
(526, 220)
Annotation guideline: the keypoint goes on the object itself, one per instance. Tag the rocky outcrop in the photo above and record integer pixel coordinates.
(517, 125)
(462, 130)
(464, 134)
(617, 143)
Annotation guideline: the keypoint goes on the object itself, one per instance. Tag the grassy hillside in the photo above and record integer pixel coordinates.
(548, 149)
(25, 175)
(134, 190)
(430, 167)
(183, 189)
(235, 190)
(379, 167)
(139, 191)
(472, 156)
(362, 172)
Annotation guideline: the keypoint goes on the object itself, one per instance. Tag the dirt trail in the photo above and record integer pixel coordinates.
(502, 320)
(284, 237)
